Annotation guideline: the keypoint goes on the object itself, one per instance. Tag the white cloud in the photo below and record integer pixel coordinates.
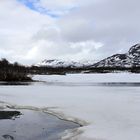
(18, 25)
(47, 49)
(93, 30)
(54, 4)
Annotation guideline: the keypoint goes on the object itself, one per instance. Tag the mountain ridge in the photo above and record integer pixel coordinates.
(126, 60)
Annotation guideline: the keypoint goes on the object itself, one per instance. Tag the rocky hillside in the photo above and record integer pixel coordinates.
(127, 60)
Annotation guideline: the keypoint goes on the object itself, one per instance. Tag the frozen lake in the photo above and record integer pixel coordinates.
(108, 105)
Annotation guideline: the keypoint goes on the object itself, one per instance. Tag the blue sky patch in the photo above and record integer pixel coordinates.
(55, 13)
(31, 4)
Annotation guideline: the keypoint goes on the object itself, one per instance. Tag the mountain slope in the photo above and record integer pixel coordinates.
(127, 60)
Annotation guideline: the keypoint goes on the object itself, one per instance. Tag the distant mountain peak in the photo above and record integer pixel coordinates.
(56, 63)
(129, 59)
(134, 51)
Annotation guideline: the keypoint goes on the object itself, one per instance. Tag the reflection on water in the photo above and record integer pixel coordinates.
(119, 84)
(32, 125)
(15, 83)
(111, 84)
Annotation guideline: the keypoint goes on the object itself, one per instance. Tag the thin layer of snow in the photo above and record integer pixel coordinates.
(55, 63)
(90, 78)
(112, 112)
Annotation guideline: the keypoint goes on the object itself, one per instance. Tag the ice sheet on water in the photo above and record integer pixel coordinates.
(26, 123)
(110, 79)
(113, 112)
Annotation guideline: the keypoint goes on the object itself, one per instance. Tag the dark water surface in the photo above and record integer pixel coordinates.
(32, 125)
(2, 83)
(111, 84)
(103, 84)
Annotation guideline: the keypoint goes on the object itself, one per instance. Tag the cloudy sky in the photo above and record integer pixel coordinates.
(33, 30)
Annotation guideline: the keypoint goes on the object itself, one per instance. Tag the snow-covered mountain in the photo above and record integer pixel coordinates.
(127, 60)
(130, 59)
(56, 63)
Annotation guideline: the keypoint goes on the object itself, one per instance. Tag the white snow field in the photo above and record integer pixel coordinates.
(108, 111)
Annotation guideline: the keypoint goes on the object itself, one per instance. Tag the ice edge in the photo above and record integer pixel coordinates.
(70, 134)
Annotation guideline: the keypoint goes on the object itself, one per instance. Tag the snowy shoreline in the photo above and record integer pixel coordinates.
(66, 134)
